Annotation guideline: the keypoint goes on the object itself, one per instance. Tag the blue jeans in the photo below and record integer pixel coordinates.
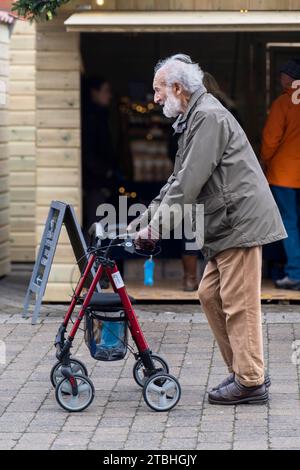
(288, 202)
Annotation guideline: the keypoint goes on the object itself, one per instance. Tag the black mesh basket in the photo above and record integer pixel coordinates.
(106, 335)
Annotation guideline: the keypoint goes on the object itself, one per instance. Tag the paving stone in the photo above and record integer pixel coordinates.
(185, 444)
(110, 434)
(35, 441)
(115, 422)
(285, 442)
(184, 431)
(219, 437)
(213, 446)
(250, 445)
(105, 445)
(7, 444)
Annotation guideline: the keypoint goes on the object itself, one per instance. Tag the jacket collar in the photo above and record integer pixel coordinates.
(180, 124)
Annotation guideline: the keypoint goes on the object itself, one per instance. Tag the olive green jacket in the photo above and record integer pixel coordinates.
(216, 166)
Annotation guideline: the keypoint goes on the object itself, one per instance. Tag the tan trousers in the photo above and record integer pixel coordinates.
(229, 293)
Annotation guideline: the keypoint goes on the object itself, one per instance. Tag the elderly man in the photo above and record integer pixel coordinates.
(216, 166)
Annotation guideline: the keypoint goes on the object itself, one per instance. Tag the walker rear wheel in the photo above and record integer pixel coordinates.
(162, 392)
(80, 401)
(139, 371)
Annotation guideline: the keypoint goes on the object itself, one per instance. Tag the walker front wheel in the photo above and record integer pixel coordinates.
(139, 371)
(77, 367)
(162, 392)
(83, 398)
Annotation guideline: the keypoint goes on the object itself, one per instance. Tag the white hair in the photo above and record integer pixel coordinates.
(181, 69)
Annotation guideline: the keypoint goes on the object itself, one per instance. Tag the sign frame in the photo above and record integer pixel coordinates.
(60, 213)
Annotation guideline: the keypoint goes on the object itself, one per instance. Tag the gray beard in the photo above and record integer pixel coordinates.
(172, 106)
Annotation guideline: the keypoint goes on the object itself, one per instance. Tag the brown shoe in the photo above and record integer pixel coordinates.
(226, 381)
(236, 393)
(230, 379)
(190, 282)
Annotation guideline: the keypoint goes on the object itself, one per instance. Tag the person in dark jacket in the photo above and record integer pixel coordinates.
(98, 155)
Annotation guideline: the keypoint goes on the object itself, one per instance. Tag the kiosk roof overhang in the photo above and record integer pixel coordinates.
(183, 21)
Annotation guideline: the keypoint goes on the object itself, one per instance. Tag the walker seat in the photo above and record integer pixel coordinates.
(107, 301)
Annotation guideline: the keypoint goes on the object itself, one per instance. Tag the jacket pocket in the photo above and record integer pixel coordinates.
(216, 223)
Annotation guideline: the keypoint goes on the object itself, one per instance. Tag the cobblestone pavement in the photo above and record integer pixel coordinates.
(30, 417)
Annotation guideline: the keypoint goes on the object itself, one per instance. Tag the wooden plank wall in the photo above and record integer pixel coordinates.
(22, 136)
(58, 161)
(4, 162)
(192, 5)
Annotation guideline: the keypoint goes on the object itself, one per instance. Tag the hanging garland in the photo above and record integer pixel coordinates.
(37, 9)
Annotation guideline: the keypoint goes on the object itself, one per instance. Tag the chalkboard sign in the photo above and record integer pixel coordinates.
(59, 213)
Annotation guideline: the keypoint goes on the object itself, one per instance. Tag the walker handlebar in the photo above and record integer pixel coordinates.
(97, 233)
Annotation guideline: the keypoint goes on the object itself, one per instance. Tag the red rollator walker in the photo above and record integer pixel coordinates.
(106, 318)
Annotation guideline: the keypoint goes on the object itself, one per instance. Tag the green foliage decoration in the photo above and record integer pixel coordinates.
(37, 9)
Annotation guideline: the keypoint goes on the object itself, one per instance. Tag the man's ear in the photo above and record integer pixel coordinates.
(177, 88)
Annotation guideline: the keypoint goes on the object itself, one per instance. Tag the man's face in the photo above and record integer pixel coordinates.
(285, 80)
(166, 96)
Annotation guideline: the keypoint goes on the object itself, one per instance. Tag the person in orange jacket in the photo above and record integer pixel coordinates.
(280, 154)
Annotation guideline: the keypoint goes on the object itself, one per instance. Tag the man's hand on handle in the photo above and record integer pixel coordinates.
(146, 238)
